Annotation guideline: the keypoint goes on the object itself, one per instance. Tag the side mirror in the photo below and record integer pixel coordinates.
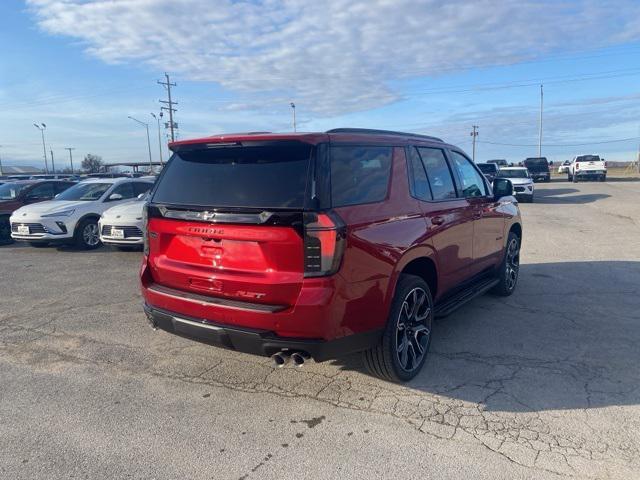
(141, 195)
(114, 197)
(57, 195)
(502, 188)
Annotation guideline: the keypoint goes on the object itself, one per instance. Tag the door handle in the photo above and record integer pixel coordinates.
(437, 221)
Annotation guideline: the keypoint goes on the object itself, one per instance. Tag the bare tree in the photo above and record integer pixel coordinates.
(92, 163)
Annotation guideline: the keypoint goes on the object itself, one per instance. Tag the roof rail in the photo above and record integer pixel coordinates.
(372, 131)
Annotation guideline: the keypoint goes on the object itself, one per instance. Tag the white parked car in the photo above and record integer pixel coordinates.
(122, 225)
(523, 187)
(72, 217)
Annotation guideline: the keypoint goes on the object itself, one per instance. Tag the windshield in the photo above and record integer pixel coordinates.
(536, 162)
(265, 176)
(588, 158)
(520, 173)
(10, 191)
(85, 192)
(487, 168)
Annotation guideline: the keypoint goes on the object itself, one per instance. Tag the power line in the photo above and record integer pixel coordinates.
(619, 140)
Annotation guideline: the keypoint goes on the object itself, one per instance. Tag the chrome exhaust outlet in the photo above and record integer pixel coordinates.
(280, 359)
(298, 358)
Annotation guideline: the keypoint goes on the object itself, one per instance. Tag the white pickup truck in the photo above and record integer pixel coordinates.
(587, 166)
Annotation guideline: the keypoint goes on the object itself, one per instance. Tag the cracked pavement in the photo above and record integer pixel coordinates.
(543, 384)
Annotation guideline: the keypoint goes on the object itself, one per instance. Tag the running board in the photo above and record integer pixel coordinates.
(458, 299)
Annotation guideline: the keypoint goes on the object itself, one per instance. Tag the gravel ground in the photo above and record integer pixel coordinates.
(544, 384)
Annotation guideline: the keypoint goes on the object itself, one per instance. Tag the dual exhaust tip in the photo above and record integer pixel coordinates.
(280, 359)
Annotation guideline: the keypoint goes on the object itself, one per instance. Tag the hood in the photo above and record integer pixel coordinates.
(52, 206)
(8, 206)
(125, 210)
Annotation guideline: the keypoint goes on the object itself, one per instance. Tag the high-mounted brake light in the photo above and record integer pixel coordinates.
(324, 239)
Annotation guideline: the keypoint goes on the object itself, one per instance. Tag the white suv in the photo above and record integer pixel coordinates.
(122, 225)
(72, 217)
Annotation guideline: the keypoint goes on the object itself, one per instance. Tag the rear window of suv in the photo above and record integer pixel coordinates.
(264, 176)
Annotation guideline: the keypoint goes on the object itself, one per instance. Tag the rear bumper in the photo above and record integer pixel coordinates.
(254, 341)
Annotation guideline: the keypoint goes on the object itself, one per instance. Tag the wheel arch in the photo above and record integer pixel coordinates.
(420, 261)
(86, 216)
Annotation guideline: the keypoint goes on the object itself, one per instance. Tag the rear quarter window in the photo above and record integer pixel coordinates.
(359, 174)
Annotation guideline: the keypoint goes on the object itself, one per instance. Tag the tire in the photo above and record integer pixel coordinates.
(87, 235)
(574, 178)
(509, 268)
(39, 244)
(411, 312)
(569, 178)
(602, 178)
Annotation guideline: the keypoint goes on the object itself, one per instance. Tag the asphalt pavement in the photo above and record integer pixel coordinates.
(543, 384)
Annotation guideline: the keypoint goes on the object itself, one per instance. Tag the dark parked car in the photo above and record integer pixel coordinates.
(18, 193)
(538, 168)
(323, 244)
(500, 162)
(489, 170)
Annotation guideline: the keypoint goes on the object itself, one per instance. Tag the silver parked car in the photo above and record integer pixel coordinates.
(523, 187)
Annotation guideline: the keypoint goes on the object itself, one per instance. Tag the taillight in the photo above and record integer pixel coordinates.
(324, 239)
(145, 229)
(577, 165)
(605, 164)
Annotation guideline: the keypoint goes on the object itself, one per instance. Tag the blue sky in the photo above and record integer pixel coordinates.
(426, 66)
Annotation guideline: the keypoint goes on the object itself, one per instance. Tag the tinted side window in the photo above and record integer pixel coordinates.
(472, 184)
(62, 186)
(126, 190)
(359, 174)
(418, 183)
(438, 173)
(141, 187)
(44, 190)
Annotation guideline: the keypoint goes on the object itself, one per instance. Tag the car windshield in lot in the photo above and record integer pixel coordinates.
(536, 162)
(487, 167)
(519, 173)
(10, 191)
(85, 192)
(265, 176)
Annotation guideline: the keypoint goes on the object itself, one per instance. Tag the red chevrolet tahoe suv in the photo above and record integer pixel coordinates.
(323, 244)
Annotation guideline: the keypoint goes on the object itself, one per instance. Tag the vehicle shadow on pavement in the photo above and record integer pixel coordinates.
(563, 196)
(567, 339)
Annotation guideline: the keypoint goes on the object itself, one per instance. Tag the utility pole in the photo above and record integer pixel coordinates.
(42, 128)
(159, 139)
(0, 162)
(474, 134)
(540, 129)
(146, 125)
(293, 107)
(169, 102)
(53, 165)
(70, 156)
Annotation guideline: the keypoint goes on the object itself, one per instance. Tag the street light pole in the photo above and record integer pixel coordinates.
(70, 156)
(0, 162)
(540, 128)
(159, 139)
(146, 125)
(42, 128)
(293, 107)
(53, 165)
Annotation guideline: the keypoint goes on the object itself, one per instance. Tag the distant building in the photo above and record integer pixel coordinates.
(13, 170)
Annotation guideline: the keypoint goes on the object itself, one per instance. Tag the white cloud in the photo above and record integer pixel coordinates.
(332, 56)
